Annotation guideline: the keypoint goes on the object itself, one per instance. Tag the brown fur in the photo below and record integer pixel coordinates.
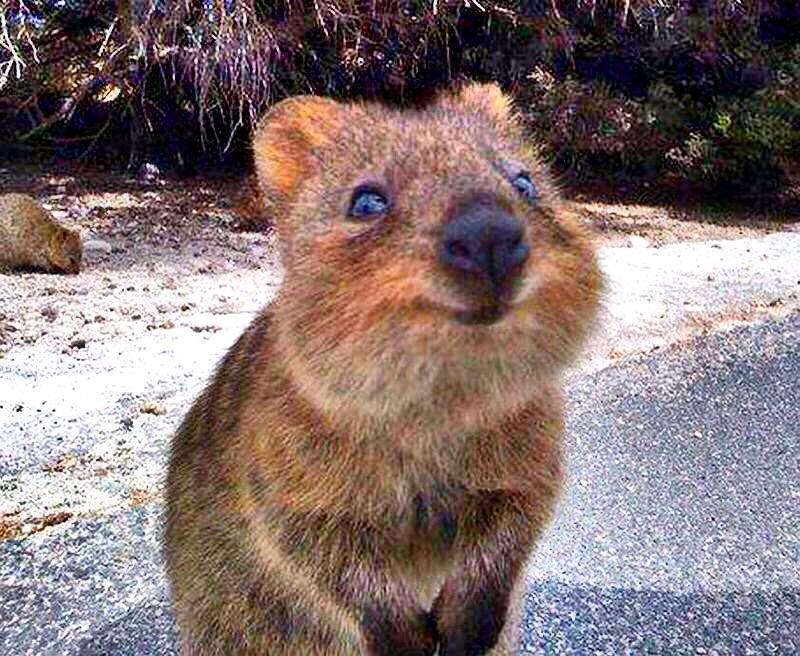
(30, 238)
(248, 206)
(364, 474)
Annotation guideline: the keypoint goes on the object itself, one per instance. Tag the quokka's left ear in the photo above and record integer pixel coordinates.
(287, 138)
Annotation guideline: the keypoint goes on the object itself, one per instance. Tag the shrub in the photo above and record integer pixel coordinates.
(700, 90)
(708, 102)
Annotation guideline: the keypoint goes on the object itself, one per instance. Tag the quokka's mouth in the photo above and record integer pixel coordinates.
(485, 316)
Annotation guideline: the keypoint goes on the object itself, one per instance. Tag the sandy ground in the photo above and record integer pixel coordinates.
(169, 253)
(97, 369)
(155, 254)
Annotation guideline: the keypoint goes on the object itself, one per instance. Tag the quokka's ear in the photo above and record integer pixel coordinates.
(484, 98)
(287, 137)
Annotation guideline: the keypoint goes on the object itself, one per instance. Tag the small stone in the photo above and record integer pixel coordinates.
(205, 329)
(97, 246)
(148, 173)
(152, 408)
(78, 343)
(165, 324)
(49, 313)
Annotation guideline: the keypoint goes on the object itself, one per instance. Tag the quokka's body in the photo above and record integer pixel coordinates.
(30, 238)
(374, 459)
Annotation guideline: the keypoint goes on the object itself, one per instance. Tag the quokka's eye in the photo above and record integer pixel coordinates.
(525, 186)
(367, 203)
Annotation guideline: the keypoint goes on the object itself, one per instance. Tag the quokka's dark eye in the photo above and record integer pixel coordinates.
(367, 203)
(525, 186)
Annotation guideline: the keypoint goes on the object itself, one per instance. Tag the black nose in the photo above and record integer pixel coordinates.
(485, 240)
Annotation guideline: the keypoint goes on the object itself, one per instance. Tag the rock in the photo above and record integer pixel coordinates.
(148, 173)
(97, 246)
(78, 343)
(152, 408)
(637, 241)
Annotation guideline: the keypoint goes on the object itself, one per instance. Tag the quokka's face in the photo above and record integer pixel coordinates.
(66, 251)
(426, 242)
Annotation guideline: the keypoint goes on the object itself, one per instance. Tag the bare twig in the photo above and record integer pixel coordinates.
(109, 31)
(15, 60)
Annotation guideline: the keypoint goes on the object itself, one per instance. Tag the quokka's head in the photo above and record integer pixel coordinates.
(422, 248)
(65, 250)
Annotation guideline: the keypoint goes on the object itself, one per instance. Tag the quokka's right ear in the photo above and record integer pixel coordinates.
(286, 139)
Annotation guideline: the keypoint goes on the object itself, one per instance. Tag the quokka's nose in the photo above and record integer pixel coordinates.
(485, 240)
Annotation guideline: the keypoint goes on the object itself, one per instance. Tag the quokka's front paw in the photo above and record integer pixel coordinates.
(469, 626)
(390, 635)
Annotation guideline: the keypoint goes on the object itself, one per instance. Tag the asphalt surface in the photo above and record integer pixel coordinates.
(679, 532)
(680, 529)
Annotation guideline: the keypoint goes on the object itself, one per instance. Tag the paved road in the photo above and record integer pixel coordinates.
(679, 534)
(680, 531)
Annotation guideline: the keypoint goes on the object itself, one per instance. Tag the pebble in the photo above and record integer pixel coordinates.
(97, 246)
(152, 408)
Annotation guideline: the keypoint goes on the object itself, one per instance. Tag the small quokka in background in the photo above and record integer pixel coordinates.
(31, 239)
(375, 458)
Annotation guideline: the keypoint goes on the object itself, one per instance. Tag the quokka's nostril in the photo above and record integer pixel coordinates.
(457, 249)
